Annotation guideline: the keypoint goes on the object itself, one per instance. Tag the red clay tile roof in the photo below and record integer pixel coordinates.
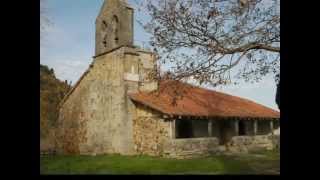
(195, 101)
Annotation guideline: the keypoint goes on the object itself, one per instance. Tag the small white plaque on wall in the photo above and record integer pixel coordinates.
(131, 77)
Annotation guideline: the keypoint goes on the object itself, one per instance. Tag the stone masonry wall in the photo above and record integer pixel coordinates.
(244, 144)
(72, 122)
(151, 132)
(191, 148)
(97, 117)
(153, 136)
(94, 118)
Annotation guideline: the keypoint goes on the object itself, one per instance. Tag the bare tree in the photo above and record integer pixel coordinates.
(206, 39)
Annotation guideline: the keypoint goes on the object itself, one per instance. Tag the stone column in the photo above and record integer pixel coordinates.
(255, 127)
(236, 127)
(271, 127)
(209, 128)
(173, 129)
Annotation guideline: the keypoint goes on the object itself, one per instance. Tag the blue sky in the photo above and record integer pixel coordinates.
(69, 43)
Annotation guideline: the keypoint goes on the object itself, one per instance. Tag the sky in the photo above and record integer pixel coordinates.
(68, 47)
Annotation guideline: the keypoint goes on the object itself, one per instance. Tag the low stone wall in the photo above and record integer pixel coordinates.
(244, 144)
(276, 141)
(202, 147)
(190, 148)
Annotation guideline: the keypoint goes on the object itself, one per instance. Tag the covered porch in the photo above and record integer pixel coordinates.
(224, 129)
(202, 121)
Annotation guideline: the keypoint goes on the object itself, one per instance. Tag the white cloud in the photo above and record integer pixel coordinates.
(61, 51)
(70, 70)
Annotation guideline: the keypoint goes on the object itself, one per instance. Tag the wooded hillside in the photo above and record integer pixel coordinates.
(52, 90)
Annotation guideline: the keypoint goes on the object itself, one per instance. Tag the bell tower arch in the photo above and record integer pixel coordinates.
(114, 26)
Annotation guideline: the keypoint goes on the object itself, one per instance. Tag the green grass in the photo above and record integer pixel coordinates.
(267, 162)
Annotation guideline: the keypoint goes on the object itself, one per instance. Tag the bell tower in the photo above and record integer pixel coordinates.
(114, 26)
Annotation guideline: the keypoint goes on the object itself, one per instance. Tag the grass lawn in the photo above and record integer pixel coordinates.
(267, 162)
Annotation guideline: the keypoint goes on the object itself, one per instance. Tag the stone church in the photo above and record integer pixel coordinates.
(115, 108)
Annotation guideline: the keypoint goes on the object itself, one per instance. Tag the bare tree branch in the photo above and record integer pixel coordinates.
(202, 37)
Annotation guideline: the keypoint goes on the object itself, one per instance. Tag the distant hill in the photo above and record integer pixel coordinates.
(52, 90)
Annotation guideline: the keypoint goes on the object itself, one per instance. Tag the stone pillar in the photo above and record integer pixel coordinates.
(255, 127)
(173, 129)
(209, 128)
(271, 127)
(236, 127)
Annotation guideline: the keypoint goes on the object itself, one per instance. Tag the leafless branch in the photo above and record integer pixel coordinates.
(203, 37)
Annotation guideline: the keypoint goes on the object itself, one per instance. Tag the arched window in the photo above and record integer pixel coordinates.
(105, 34)
(115, 28)
(104, 25)
(105, 39)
